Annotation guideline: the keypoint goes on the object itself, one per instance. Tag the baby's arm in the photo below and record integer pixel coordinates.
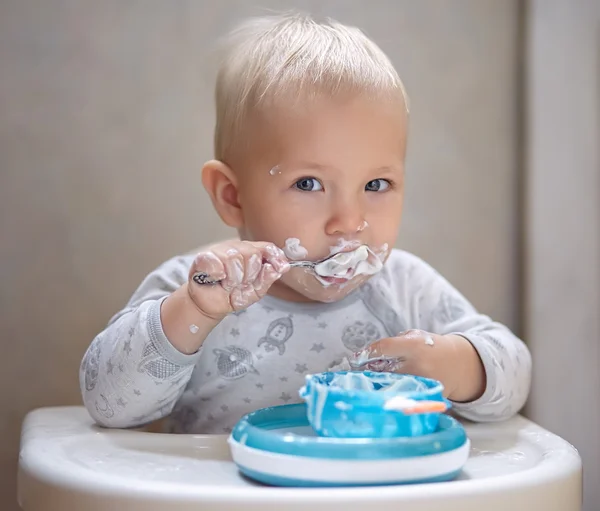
(131, 374)
(440, 308)
(138, 367)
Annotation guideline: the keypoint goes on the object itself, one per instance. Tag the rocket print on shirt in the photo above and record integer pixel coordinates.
(278, 333)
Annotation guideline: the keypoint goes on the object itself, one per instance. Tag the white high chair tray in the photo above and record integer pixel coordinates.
(67, 463)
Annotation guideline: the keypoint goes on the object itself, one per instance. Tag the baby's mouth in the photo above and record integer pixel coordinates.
(340, 279)
(345, 266)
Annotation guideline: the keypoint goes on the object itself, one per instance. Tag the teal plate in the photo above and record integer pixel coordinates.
(286, 430)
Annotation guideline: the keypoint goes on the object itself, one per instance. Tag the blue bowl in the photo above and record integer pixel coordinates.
(352, 404)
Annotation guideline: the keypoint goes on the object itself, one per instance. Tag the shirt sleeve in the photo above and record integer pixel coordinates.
(439, 308)
(131, 374)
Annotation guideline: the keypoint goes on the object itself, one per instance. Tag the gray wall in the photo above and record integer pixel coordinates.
(106, 119)
(563, 225)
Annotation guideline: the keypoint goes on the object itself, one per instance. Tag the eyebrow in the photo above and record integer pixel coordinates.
(309, 165)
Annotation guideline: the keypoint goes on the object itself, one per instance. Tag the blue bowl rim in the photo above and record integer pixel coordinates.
(433, 386)
(259, 430)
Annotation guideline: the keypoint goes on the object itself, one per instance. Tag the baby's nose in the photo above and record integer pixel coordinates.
(347, 218)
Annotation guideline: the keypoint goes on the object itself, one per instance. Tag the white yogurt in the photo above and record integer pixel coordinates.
(294, 250)
(348, 265)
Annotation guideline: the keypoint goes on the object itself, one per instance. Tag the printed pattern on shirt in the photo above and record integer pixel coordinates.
(260, 356)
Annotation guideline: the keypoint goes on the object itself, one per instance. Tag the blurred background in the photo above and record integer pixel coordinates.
(106, 117)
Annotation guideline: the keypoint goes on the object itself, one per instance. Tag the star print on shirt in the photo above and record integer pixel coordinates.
(285, 397)
(318, 347)
(301, 368)
(127, 347)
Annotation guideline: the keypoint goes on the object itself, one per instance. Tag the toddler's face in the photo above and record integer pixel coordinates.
(330, 176)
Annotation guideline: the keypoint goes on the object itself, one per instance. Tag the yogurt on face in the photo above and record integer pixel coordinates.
(294, 250)
(347, 265)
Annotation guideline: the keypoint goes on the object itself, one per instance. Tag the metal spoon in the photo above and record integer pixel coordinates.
(204, 279)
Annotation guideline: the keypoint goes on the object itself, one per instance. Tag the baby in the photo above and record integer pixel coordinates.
(310, 144)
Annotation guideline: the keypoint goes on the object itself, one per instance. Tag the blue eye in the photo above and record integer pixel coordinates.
(377, 185)
(308, 184)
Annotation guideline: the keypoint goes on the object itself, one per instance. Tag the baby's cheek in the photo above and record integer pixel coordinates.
(382, 251)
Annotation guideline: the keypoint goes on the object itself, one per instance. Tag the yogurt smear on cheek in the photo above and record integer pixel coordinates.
(294, 250)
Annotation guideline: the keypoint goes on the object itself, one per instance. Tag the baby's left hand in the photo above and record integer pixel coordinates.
(451, 359)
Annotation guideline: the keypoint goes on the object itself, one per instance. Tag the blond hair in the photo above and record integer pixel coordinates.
(292, 57)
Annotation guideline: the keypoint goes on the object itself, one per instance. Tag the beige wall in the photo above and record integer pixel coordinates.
(106, 117)
(563, 222)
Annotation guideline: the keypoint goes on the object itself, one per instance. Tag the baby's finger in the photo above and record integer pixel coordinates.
(209, 264)
(275, 257)
(416, 336)
(253, 261)
(233, 262)
(252, 292)
(267, 276)
(381, 356)
(387, 365)
(253, 266)
(387, 347)
(243, 297)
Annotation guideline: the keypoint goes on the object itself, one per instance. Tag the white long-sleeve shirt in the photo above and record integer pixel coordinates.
(131, 374)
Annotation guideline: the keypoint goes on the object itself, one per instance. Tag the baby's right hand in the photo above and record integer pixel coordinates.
(246, 270)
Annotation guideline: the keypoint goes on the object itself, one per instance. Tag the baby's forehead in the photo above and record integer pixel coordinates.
(333, 121)
(321, 132)
(318, 113)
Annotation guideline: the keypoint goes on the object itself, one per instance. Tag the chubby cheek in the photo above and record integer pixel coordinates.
(384, 237)
(384, 211)
(283, 226)
(258, 213)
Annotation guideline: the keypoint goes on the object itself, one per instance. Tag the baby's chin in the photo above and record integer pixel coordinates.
(317, 289)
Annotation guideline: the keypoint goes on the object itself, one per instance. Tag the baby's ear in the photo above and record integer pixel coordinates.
(222, 186)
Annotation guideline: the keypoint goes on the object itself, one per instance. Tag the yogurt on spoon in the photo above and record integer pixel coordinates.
(345, 266)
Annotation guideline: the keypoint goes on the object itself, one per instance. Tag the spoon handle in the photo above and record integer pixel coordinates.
(302, 264)
(204, 279)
